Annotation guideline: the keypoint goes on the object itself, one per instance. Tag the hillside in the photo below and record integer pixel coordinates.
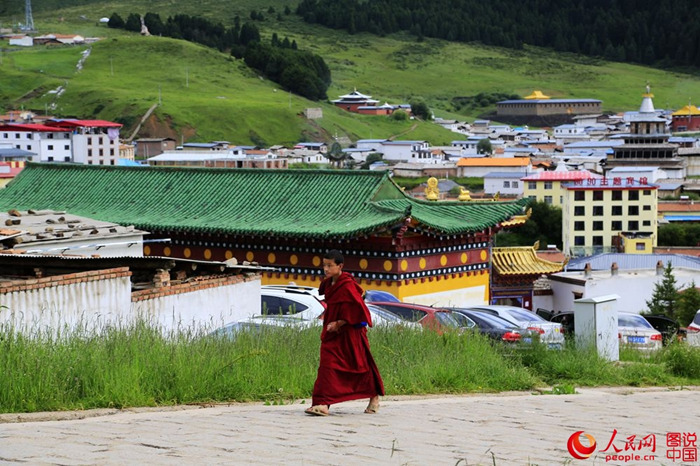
(206, 95)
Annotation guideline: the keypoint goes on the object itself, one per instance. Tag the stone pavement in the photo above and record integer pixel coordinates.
(505, 429)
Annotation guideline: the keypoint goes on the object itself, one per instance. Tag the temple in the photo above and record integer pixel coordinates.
(421, 251)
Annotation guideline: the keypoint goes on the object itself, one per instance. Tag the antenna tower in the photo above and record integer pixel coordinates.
(28, 20)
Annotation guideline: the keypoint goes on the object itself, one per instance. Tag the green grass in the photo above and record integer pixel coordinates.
(206, 95)
(140, 365)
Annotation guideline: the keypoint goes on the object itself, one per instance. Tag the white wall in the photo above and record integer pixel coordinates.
(210, 307)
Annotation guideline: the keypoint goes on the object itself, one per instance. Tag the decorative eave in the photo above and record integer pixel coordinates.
(523, 260)
(517, 220)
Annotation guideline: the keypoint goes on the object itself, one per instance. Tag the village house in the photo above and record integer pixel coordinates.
(507, 184)
(471, 166)
(149, 147)
(547, 186)
(420, 251)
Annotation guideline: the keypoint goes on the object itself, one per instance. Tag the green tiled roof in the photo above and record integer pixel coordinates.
(291, 203)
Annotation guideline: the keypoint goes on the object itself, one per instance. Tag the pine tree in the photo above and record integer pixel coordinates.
(665, 297)
(688, 305)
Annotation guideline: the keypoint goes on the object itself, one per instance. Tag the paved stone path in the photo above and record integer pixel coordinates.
(504, 429)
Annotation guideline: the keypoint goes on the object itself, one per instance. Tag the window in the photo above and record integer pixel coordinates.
(506, 184)
(29, 147)
(66, 147)
(633, 195)
(647, 192)
(646, 207)
(547, 185)
(597, 195)
(50, 159)
(29, 135)
(514, 184)
(579, 240)
(617, 195)
(89, 152)
(548, 200)
(597, 241)
(49, 147)
(633, 225)
(580, 196)
(598, 211)
(640, 246)
(49, 136)
(111, 152)
(89, 141)
(531, 185)
(533, 198)
(579, 210)
(617, 210)
(579, 226)
(616, 225)
(274, 305)
(598, 226)
(102, 152)
(646, 223)
(633, 210)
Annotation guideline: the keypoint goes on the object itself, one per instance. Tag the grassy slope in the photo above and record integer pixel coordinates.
(207, 95)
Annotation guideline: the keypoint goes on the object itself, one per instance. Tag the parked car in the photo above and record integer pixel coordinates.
(633, 330)
(494, 326)
(669, 328)
(694, 326)
(550, 333)
(372, 296)
(428, 317)
(260, 324)
(291, 300)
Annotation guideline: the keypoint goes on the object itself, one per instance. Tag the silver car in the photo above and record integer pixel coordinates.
(550, 332)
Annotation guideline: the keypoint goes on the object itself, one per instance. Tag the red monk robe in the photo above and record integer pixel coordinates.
(347, 370)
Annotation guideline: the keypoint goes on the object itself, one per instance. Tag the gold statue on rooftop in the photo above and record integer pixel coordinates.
(432, 192)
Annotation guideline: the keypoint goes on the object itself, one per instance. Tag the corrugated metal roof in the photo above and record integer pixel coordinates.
(633, 261)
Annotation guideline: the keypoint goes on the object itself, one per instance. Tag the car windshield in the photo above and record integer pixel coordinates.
(631, 320)
(380, 296)
(384, 314)
(462, 320)
(525, 316)
(448, 319)
(696, 321)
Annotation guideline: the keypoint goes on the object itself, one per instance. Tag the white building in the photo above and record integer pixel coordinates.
(407, 151)
(50, 144)
(506, 183)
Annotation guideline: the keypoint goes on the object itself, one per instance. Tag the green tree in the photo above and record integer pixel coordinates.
(399, 115)
(371, 158)
(544, 225)
(116, 21)
(665, 297)
(688, 305)
(133, 23)
(420, 110)
(484, 146)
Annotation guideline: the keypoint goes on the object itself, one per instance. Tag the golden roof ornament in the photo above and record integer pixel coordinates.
(432, 192)
(464, 194)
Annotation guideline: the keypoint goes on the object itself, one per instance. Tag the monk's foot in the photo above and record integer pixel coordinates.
(317, 410)
(373, 406)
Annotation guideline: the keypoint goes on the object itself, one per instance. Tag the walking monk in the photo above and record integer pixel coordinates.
(347, 370)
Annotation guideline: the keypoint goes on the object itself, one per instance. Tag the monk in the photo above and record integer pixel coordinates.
(347, 370)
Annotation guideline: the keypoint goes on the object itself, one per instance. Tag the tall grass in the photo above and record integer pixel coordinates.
(139, 364)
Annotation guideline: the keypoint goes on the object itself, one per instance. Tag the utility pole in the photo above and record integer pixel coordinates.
(28, 19)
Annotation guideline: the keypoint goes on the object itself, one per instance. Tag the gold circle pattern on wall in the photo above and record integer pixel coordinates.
(387, 266)
(167, 251)
(207, 254)
(464, 258)
(271, 258)
(228, 255)
(316, 261)
(249, 256)
(443, 260)
(404, 265)
(293, 259)
(187, 253)
(422, 263)
(363, 264)
(147, 250)
(483, 255)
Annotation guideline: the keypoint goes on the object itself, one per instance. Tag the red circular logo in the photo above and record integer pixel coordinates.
(577, 449)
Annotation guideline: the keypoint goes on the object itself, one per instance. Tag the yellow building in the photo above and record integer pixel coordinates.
(547, 186)
(598, 211)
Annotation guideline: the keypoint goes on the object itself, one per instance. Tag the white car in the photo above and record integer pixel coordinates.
(694, 326)
(300, 302)
(550, 333)
(635, 331)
